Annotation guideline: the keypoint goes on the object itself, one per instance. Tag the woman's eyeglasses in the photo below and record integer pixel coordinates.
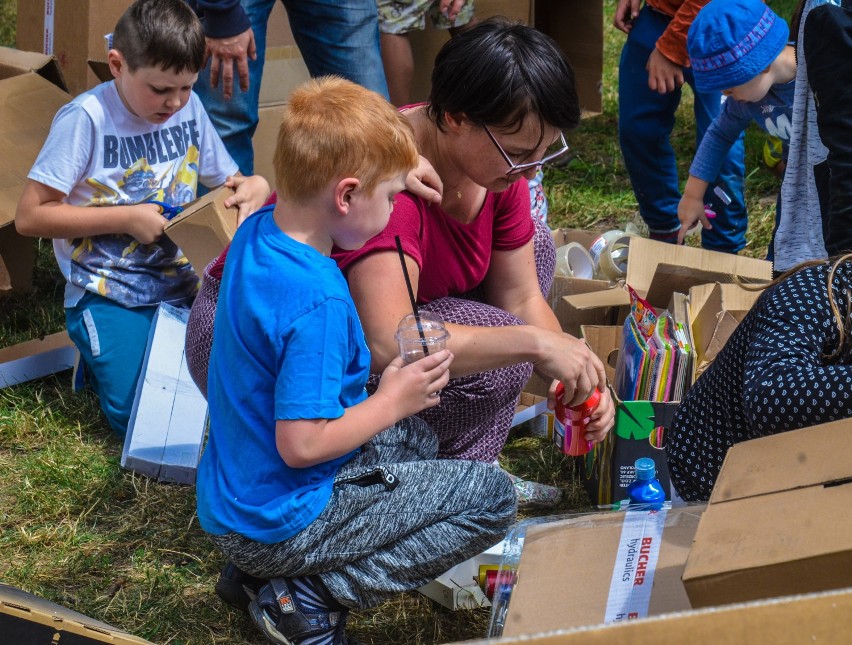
(553, 152)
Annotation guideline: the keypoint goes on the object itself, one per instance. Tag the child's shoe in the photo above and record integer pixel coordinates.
(237, 588)
(299, 610)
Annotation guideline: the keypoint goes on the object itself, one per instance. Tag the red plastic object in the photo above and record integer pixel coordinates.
(573, 422)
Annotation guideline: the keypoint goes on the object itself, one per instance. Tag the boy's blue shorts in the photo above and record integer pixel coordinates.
(112, 341)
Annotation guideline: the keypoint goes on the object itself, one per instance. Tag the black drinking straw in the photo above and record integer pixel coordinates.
(411, 295)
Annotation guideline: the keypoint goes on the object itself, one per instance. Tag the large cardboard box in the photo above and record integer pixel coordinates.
(577, 27)
(595, 568)
(778, 521)
(811, 618)
(28, 619)
(169, 415)
(264, 141)
(31, 91)
(71, 30)
(204, 228)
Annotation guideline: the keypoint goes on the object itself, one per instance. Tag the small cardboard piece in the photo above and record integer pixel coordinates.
(36, 358)
(204, 228)
(566, 571)
(26, 618)
(609, 468)
(31, 91)
(169, 416)
(715, 311)
(459, 587)
(778, 521)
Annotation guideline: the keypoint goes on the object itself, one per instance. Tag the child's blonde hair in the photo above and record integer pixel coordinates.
(332, 128)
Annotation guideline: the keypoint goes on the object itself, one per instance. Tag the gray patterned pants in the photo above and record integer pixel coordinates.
(397, 518)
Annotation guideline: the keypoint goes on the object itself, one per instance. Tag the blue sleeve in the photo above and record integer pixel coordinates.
(221, 18)
(733, 118)
(315, 354)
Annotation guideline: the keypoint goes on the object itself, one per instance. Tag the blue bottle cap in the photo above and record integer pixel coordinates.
(646, 469)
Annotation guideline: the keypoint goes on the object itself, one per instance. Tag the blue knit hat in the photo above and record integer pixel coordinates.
(732, 41)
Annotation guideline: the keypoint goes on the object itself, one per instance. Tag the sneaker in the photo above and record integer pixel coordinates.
(237, 588)
(535, 495)
(288, 619)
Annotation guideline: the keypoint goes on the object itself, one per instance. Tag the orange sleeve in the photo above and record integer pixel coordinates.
(672, 44)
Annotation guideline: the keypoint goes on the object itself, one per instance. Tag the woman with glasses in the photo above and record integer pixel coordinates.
(502, 96)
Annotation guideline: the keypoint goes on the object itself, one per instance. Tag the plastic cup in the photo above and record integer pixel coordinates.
(412, 345)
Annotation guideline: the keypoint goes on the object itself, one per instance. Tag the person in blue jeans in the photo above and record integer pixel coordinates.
(653, 67)
(338, 37)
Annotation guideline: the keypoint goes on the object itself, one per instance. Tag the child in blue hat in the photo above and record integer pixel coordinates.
(741, 48)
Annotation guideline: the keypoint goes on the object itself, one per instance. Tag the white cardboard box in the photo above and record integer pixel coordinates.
(36, 358)
(169, 415)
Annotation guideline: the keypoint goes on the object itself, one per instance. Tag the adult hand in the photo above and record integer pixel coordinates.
(663, 75)
(569, 360)
(625, 14)
(451, 8)
(424, 182)
(224, 53)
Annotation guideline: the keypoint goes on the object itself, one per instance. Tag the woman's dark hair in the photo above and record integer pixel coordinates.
(160, 33)
(499, 72)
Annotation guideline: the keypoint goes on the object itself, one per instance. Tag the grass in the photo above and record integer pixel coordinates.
(77, 530)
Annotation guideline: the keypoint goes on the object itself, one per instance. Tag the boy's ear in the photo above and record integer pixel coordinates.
(455, 120)
(116, 62)
(343, 192)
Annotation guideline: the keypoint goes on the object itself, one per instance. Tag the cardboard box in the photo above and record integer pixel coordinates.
(36, 358)
(169, 415)
(459, 587)
(778, 521)
(811, 618)
(31, 91)
(608, 469)
(26, 618)
(71, 30)
(577, 27)
(204, 228)
(715, 311)
(656, 270)
(596, 568)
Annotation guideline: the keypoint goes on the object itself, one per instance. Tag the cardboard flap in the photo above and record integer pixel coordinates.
(204, 228)
(14, 62)
(101, 70)
(28, 104)
(676, 268)
(614, 297)
(786, 461)
(604, 341)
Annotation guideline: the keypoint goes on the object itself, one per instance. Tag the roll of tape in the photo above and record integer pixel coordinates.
(614, 258)
(574, 261)
(600, 243)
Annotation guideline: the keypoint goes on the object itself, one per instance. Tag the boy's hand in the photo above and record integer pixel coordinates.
(451, 8)
(602, 419)
(410, 388)
(145, 222)
(664, 76)
(690, 211)
(250, 194)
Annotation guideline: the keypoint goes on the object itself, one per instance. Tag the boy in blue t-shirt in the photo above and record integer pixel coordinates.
(739, 47)
(321, 498)
(118, 159)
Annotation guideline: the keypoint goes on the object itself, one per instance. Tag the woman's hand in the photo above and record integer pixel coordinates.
(424, 182)
(250, 194)
(569, 360)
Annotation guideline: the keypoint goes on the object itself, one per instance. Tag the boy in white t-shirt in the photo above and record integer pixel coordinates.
(118, 161)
